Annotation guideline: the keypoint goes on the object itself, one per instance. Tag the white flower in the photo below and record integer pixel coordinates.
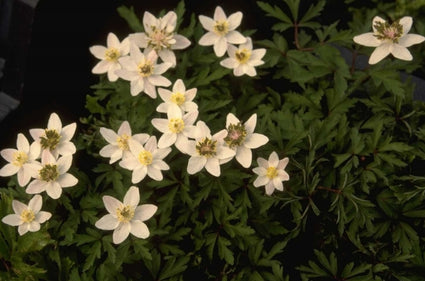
(143, 72)
(244, 59)
(221, 31)
(55, 138)
(52, 176)
(159, 35)
(146, 160)
(271, 173)
(27, 218)
(389, 39)
(179, 97)
(241, 138)
(176, 129)
(126, 217)
(21, 160)
(207, 151)
(118, 142)
(109, 56)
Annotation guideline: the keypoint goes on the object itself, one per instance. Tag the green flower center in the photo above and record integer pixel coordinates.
(206, 147)
(122, 142)
(19, 158)
(112, 54)
(242, 56)
(145, 157)
(236, 134)
(49, 172)
(50, 139)
(145, 69)
(221, 27)
(125, 213)
(386, 31)
(178, 98)
(271, 172)
(27, 216)
(176, 125)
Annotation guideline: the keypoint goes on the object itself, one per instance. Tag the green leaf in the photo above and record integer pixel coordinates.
(131, 18)
(313, 11)
(275, 12)
(174, 266)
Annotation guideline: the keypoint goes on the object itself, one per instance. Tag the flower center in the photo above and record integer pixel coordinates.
(242, 56)
(27, 216)
(178, 98)
(236, 134)
(145, 69)
(221, 27)
(19, 158)
(125, 213)
(112, 54)
(145, 157)
(160, 39)
(206, 147)
(386, 31)
(50, 139)
(49, 172)
(176, 125)
(271, 172)
(123, 141)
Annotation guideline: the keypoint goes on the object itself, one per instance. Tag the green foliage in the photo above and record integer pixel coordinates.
(353, 208)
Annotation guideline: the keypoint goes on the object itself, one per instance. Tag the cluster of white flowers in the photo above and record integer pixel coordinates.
(46, 162)
(223, 36)
(143, 154)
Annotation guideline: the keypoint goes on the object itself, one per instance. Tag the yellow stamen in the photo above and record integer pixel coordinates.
(112, 54)
(178, 98)
(145, 157)
(27, 216)
(271, 172)
(123, 142)
(221, 28)
(125, 213)
(19, 158)
(242, 56)
(176, 125)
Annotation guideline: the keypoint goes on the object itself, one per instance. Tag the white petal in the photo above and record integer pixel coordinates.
(36, 186)
(43, 216)
(411, 39)
(379, 53)
(168, 56)
(283, 163)
(150, 89)
(229, 63)
(220, 47)
(54, 190)
(67, 180)
(406, 22)
(273, 159)
(219, 14)
(277, 184)
(35, 203)
(112, 41)
(401, 52)
(12, 220)
(121, 233)
(234, 20)
(18, 207)
(367, 39)
(207, 23)
(159, 80)
(137, 86)
(107, 222)
(208, 39)
(161, 68)
(235, 37)
(66, 148)
(167, 140)
(98, 51)
(22, 143)
(9, 170)
(261, 180)
(24, 176)
(181, 42)
(68, 131)
(54, 122)
(34, 226)
(111, 204)
(244, 156)
(23, 228)
(132, 196)
(255, 140)
(269, 188)
(139, 229)
(139, 174)
(196, 164)
(376, 20)
(213, 167)
(145, 212)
